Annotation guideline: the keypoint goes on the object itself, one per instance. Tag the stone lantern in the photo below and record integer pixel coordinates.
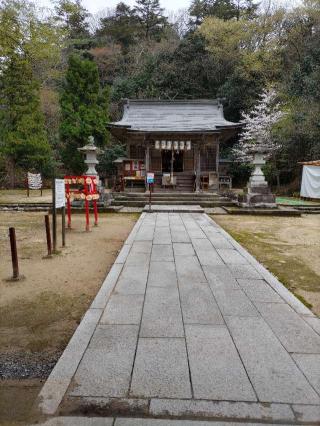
(258, 191)
(91, 152)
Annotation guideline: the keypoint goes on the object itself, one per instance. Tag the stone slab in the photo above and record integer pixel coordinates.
(179, 236)
(232, 256)
(162, 252)
(310, 366)
(123, 254)
(273, 374)
(198, 305)
(107, 287)
(219, 242)
(161, 369)
(145, 233)
(169, 422)
(160, 208)
(132, 280)
(243, 411)
(259, 291)
(162, 313)
(220, 278)
(314, 323)
(123, 309)
(183, 249)
(162, 274)
(244, 271)
(189, 270)
(309, 414)
(162, 236)
(207, 255)
(78, 421)
(141, 247)
(57, 384)
(216, 370)
(234, 303)
(105, 369)
(138, 259)
(290, 328)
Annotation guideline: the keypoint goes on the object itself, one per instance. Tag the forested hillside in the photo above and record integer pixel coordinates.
(63, 73)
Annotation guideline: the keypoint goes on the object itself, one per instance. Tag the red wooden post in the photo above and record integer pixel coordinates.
(68, 205)
(87, 206)
(95, 208)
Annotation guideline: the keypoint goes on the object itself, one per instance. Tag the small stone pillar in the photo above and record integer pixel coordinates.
(91, 152)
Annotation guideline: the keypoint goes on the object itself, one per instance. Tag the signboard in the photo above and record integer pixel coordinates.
(150, 177)
(60, 193)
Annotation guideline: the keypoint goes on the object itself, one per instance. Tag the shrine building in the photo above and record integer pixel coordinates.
(178, 141)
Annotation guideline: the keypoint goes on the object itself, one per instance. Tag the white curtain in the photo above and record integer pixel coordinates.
(310, 185)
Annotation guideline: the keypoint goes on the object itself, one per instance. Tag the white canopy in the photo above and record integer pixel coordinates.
(310, 185)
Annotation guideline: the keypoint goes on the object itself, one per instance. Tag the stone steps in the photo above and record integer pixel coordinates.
(142, 203)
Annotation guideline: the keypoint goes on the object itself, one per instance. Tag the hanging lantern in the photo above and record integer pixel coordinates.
(157, 144)
(163, 144)
(181, 145)
(188, 145)
(169, 145)
(176, 145)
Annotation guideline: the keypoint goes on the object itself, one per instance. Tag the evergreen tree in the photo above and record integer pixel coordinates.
(84, 111)
(23, 140)
(151, 18)
(73, 18)
(121, 26)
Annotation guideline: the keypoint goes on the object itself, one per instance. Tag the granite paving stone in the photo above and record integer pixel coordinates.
(244, 271)
(161, 369)
(232, 256)
(162, 313)
(141, 247)
(183, 249)
(123, 254)
(234, 303)
(198, 305)
(308, 414)
(138, 259)
(123, 309)
(145, 233)
(105, 369)
(162, 236)
(291, 330)
(162, 252)
(219, 241)
(313, 322)
(132, 280)
(310, 365)
(273, 374)
(162, 274)
(259, 291)
(207, 255)
(189, 270)
(216, 370)
(179, 235)
(220, 277)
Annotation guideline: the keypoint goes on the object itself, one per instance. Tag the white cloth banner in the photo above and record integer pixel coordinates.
(310, 185)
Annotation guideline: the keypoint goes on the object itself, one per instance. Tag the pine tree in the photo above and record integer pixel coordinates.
(84, 111)
(151, 18)
(23, 140)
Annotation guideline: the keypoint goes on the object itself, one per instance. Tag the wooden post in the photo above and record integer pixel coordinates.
(95, 209)
(197, 154)
(218, 160)
(14, 254)
(54, 216)
(48, 235)
(147, 162)
(63, 226)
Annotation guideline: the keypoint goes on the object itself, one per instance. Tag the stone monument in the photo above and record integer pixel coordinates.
(258, 192)
(91, 152)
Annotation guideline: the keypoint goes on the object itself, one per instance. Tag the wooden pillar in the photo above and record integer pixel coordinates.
(217, 160)
(147, 161)
(197, 157)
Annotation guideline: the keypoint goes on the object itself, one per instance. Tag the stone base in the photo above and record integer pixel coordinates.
(258, 196)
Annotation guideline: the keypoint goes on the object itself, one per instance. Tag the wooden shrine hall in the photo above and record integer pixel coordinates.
(176, 140)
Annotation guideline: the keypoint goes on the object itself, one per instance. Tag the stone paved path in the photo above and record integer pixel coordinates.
(188, 325)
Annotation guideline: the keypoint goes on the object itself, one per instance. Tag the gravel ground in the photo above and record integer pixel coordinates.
(26, 365)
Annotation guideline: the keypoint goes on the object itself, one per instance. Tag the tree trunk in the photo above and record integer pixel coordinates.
(11, 173)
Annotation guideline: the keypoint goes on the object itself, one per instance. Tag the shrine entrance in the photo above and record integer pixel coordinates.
(167, 157)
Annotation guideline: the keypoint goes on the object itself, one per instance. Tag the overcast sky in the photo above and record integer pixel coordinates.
(95, 6)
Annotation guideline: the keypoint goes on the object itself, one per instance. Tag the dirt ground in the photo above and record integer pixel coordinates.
(20, 196)
(288, 247)
(39, 314)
